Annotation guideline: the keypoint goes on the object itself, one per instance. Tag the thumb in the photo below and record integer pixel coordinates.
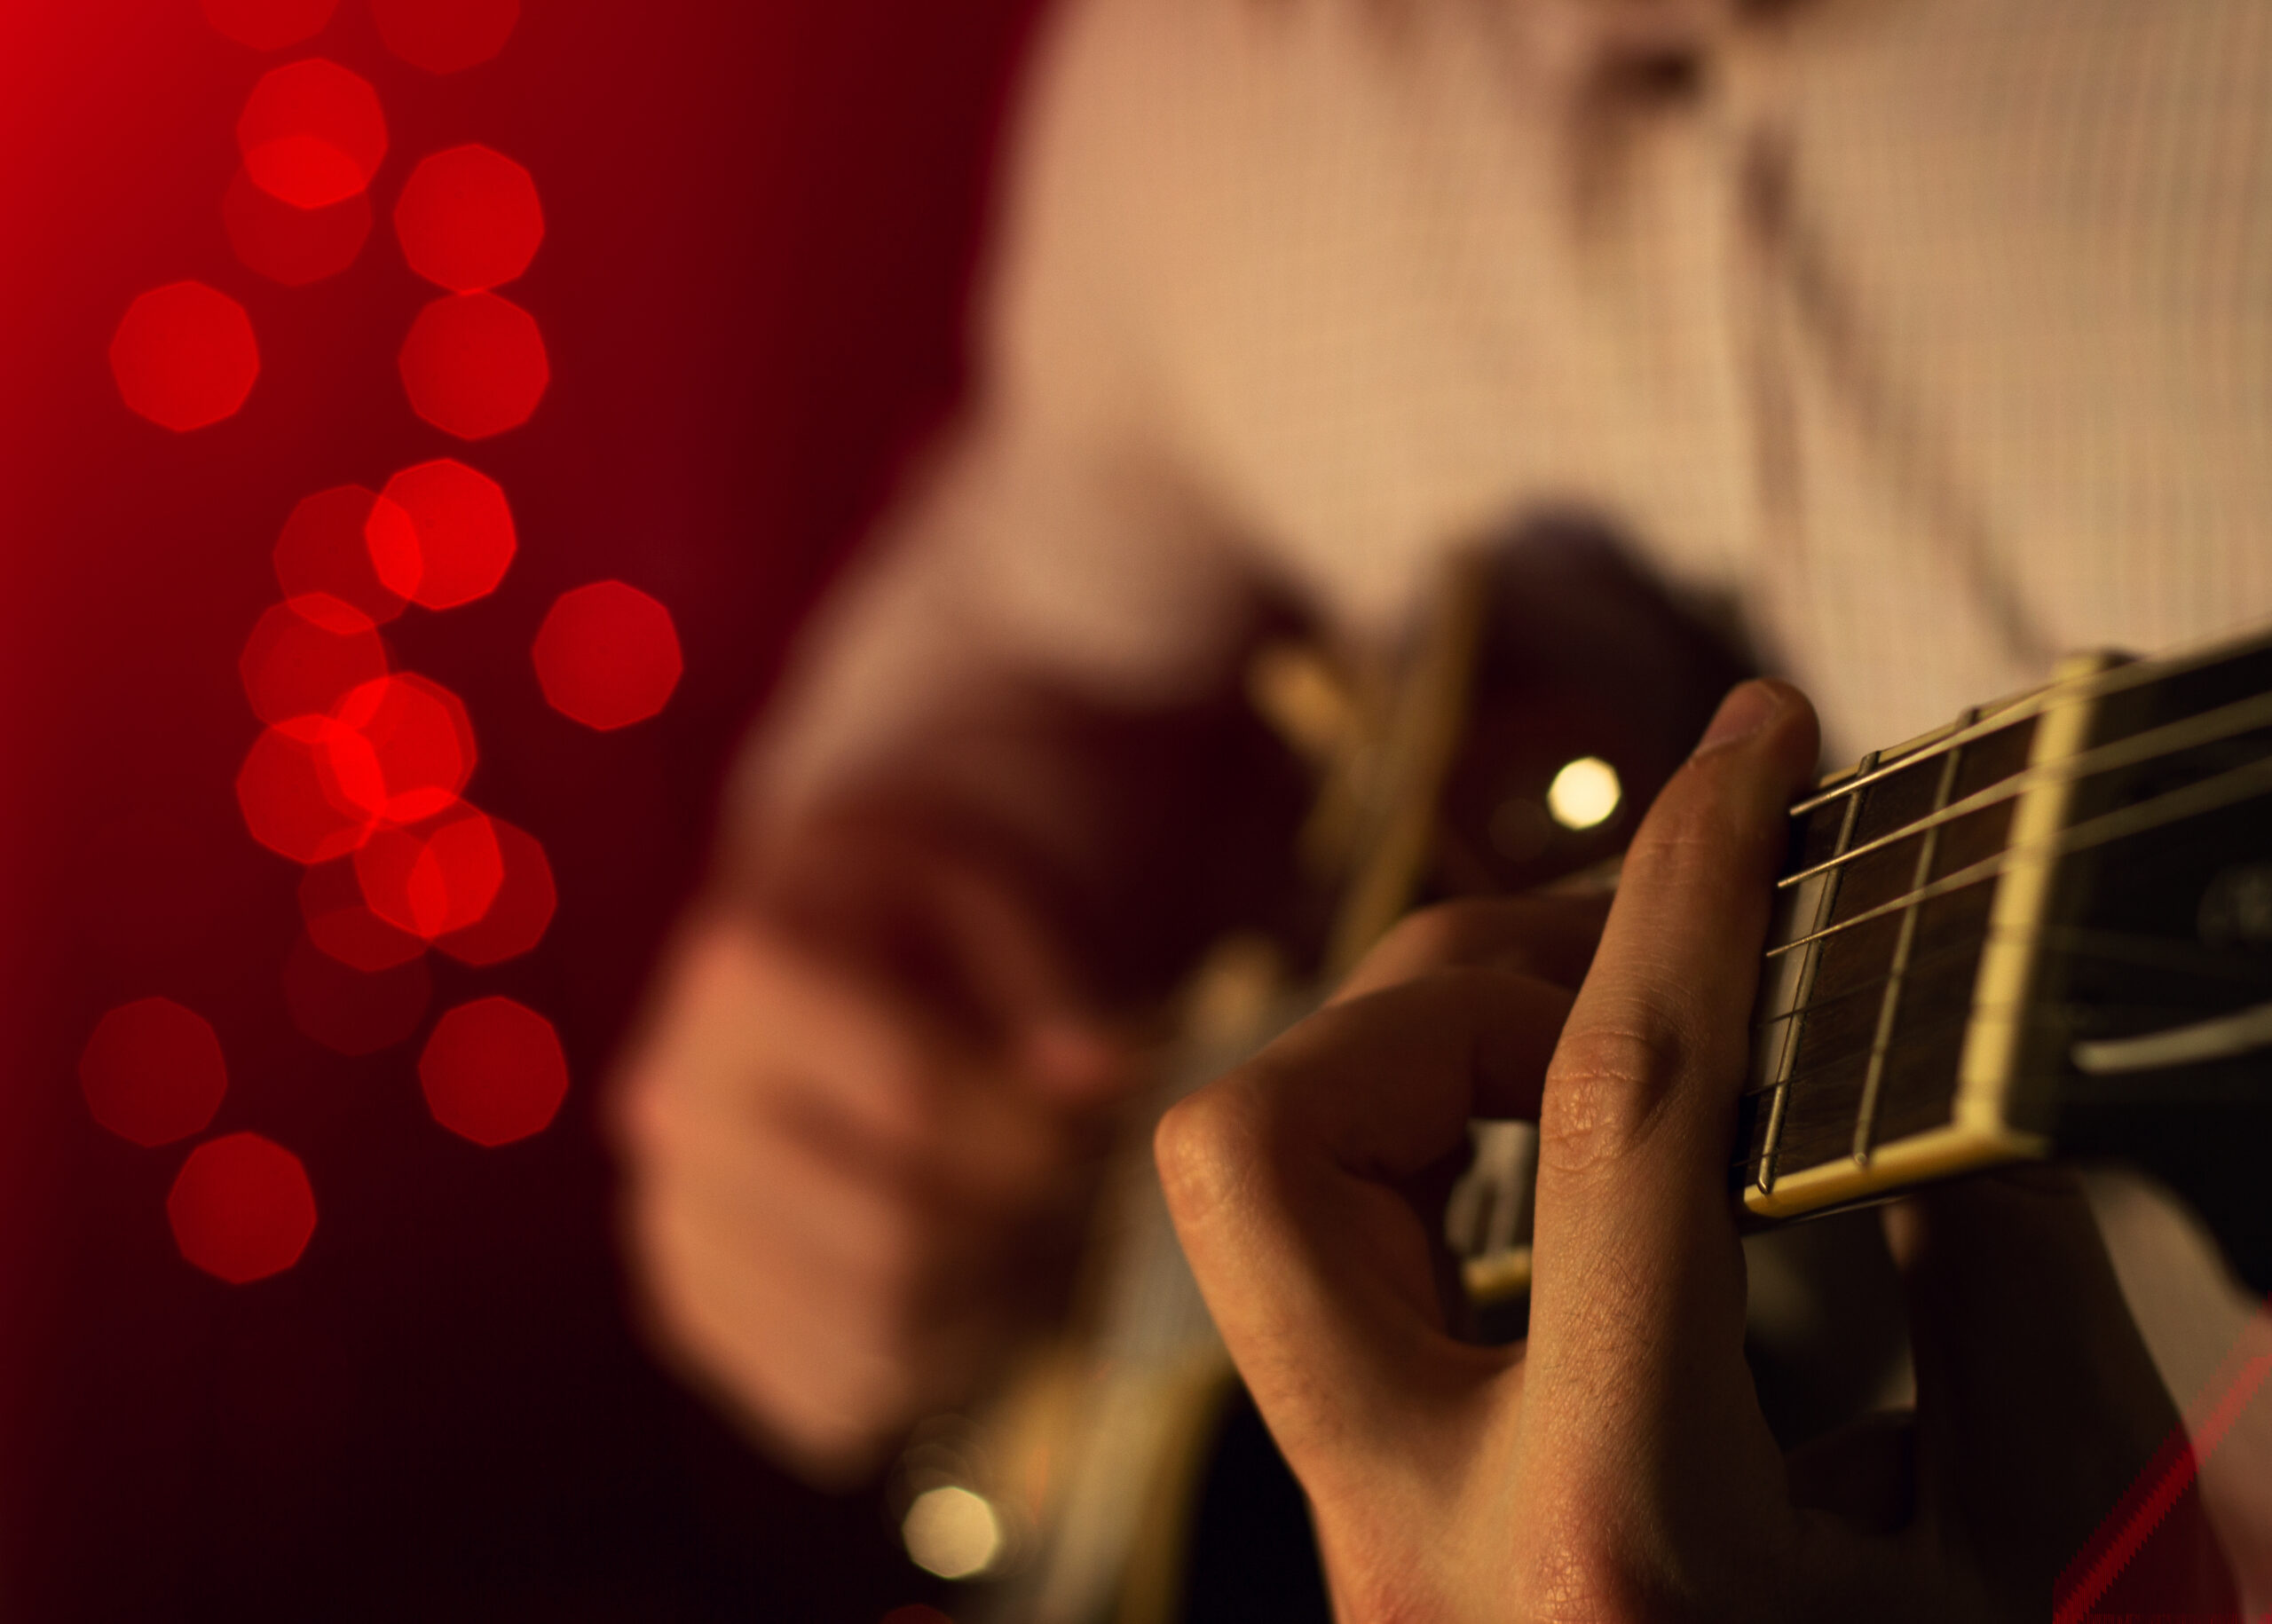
(1027, 988)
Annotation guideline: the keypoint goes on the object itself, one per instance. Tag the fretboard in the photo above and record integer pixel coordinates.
(1991, 940)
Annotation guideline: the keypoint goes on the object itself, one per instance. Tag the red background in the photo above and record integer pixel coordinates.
(761, 218)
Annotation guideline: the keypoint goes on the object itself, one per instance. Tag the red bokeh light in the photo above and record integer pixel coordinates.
(521, 910)
(469, 218)
(153, 1071)
(242, 1208)
(183, 355)
(608, 655)
(493, 1071)
(443, 36)
(351, 1011)
(460, 539)
(289, 245)
(269, 24)
(290, 796)
(474, 365)
(305, 654)
(311, 133)
(341, 924)
(440, 877)
(403, 750)
(327, 548)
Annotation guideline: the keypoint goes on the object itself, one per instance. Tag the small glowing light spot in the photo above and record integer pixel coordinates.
(459, 540)
(183, 355)
(269, 24)
(311, 133)
(153, 1072)
(607, 654)
(403, 750)
(341, 923)
(474, 365)
(1585, 793)
(952, 1533)
(493, 1071)
(327, 548)
(291, 245)
(305, 654)
(444, 36)
(441, 877)
(351, 1011)
(469, 218)
(242, 1208)
(290, 796)
(520, 912)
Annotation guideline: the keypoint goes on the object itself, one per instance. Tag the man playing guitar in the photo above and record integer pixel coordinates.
(1926, 334)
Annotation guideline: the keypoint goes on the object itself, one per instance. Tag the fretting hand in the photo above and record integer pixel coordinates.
(1617, 1466)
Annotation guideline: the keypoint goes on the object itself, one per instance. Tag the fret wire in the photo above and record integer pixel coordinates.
(2187, 733)
(1802, 992)
(1905, 942)
(2208, 795)
(2034, 702)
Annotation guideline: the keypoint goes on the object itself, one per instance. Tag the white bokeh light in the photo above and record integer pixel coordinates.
(1585, 793)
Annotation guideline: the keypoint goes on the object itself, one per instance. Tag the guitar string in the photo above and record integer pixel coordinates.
(2133, 948)
(1995, 717)
(2187, 733)
(2226, 789)
(1855, 1054)
(2121, 947)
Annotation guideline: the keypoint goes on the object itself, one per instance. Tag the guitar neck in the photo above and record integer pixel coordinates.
(2011, 937)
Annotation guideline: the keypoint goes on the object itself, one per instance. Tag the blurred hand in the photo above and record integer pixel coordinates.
(856, 1163)
(1617, 1466)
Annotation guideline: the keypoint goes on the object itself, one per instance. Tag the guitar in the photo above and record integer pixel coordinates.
(2044, 929)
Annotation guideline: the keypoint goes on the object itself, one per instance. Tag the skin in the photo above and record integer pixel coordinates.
(863, 1120)
(849, 1191)
(1616, 1466)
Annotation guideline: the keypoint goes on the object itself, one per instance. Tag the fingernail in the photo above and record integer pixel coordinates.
(1748, 707)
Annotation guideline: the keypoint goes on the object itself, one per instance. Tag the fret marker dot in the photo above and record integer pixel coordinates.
(1585, 793)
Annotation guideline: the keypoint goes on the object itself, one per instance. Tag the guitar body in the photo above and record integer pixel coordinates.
(2044, 929)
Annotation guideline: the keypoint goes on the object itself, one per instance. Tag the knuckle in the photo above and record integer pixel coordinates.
(1579, 1578)
(1605, 1089)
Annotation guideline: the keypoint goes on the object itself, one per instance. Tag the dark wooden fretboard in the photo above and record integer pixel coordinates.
(2008, 938)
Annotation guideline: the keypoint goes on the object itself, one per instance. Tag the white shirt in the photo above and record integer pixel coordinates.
(1936, 333)
(1311, 291)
